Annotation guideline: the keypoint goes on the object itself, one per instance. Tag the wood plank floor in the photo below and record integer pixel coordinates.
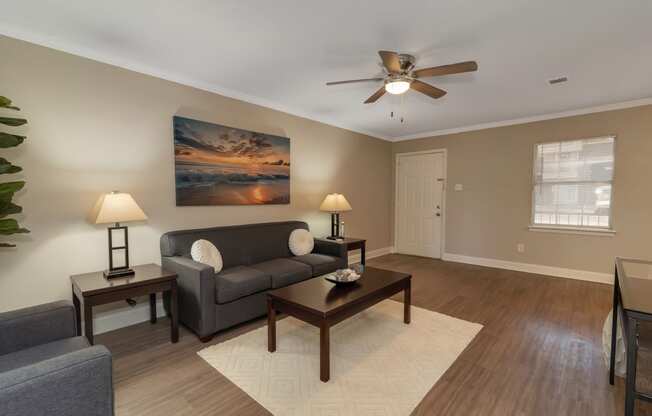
(539, 353)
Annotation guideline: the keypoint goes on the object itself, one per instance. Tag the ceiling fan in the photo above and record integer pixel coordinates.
(401, 76)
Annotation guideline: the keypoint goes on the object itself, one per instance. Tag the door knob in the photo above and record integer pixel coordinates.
(438, 214)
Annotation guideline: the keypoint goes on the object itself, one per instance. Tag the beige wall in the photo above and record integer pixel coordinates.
(94, 128)
(491, 215)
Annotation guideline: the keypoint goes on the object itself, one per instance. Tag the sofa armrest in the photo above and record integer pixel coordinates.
(196, 293)
(36, 325)
(331, 248)
(76, 383)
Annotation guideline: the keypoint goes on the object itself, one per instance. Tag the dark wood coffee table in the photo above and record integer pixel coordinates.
(322, 304)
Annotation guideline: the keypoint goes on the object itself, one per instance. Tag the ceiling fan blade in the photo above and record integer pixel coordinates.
(458, 68)
(376, 95)
(351, 81)
(391, 61)
(427, 89)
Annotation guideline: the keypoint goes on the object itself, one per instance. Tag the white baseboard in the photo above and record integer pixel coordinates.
(127, 316)
(532, 268)
(355, 258)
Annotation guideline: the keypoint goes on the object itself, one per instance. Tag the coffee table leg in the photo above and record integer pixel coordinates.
(324, 352)
(407, 301)
(271, 326)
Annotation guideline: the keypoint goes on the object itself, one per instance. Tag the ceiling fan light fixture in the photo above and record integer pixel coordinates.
(397, 86)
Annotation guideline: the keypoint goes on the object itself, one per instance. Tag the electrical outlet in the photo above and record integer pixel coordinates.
(520, 247)
(459, 187)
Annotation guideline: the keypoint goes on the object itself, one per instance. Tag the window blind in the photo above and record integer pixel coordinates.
(573, 183)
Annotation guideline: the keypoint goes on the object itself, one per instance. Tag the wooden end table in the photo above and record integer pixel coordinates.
(351, 244)
(322, 304)
(92, 289)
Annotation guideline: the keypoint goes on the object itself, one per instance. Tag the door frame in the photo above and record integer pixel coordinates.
(397, 156)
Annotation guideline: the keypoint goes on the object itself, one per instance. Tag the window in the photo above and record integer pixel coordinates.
(573, 184)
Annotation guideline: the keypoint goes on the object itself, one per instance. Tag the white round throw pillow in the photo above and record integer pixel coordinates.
(301, 242)
(203, 251)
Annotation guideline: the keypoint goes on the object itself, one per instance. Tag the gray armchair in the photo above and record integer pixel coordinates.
(46, 369)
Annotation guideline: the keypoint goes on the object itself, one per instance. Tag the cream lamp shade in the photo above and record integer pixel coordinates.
(116, 207)
(335, 203)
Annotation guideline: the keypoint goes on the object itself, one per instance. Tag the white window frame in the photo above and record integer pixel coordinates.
(571, 229)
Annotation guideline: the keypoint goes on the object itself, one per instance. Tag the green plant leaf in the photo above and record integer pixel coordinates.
(11, 121)
(6, 103)
(10, 188)
(11, 169)
(10, 140)
(10, 226)
(7, 245)
(9, 208)
(7, 167)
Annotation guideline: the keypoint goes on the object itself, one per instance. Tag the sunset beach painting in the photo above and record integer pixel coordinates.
(219, 165)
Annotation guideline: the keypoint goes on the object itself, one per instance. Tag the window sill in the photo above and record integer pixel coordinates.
(570, 230)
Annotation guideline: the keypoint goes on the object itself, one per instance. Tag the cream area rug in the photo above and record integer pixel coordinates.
(379, 365)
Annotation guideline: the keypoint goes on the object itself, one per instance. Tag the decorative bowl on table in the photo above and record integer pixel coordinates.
(343, 277)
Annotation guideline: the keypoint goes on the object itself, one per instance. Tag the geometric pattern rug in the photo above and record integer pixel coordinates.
(379, 365)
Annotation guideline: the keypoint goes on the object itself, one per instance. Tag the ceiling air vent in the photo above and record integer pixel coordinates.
(559, 80)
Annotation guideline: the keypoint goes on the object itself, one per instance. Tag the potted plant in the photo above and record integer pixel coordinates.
(9, 226)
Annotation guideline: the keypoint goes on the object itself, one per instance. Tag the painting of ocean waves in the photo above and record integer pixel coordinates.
(219, 165)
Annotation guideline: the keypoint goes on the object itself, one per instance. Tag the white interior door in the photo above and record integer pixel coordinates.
(419, 204)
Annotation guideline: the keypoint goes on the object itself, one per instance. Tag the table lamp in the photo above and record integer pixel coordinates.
(335, 204)
(117, 207)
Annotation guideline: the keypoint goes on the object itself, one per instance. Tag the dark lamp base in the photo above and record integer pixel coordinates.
(121, 272)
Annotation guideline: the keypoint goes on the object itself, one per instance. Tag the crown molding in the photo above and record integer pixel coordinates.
(67, 47)
(524, 120)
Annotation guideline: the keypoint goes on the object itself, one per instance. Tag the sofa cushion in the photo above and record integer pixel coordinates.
(301, 242)
(205, 252)
(240, 281)
(284, 271)
(320, 263)
(41, 352)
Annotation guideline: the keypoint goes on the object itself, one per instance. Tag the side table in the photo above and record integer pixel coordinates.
(353, 244)
(92, 289)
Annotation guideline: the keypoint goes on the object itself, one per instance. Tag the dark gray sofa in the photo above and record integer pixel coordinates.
(46, 369)
(256, 258)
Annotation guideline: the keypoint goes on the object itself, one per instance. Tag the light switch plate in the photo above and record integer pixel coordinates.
(459, 187)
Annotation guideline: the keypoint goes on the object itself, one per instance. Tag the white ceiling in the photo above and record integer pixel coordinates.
(280, 53)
